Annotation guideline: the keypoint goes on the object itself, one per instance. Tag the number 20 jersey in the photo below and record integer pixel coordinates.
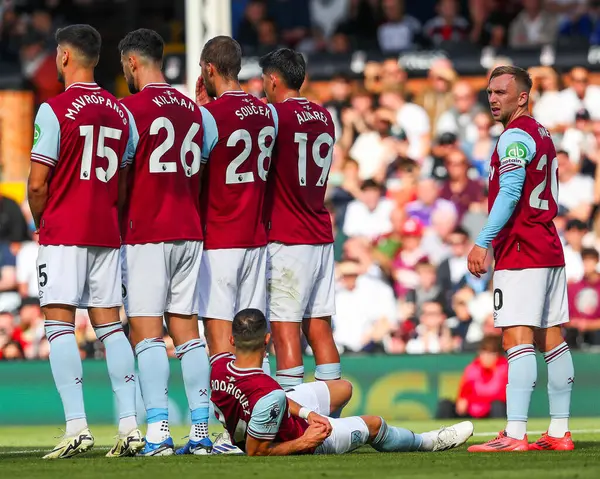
(529, 239)
(163, 186)
(239, 135)
(82, 134)
(295, 210)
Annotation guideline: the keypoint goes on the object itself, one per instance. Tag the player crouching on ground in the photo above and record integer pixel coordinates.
(264, 422)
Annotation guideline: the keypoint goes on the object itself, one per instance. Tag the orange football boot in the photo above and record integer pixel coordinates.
(502, 443)
(549, 443)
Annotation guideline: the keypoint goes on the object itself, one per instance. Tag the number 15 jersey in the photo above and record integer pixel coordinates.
(239, 135)
(529, 239)
(295, 210)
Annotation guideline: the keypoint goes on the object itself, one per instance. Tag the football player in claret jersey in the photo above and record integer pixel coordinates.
(300, 251)
(162, 241)
(530, 287)
(80, 142)
(264, 422)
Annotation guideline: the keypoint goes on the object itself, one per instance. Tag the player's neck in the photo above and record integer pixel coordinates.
(288, 94)
(244, 360)
(79, 76)
(222, 86)
(150, 76)
(519, 112)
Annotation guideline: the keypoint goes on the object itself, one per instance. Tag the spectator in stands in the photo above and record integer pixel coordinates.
(427, 289)
(427, 202)
(460, 323)
(459, 188)
(579, 141)
(575, 191)
(436, 97)
(547, 108)
(574, 233)
(366, 309)
(452, 271)
(482, 390)
(460, 117)
(480, 151)
(433, 336)
(375, 149)
(13, 226)
(448, 25)
(580, 94)
(369, 216)
(398, 31)
(412, 119)
(404, 265)
(533, 27)
(584, 302)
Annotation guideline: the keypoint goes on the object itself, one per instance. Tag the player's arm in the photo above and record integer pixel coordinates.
(44, 156)
(264, 424)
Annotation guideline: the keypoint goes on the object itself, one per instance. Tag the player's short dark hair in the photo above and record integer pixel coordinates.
(84, 38)
(522, 77)
(225, 54)
(249, 328)
(288, 63)
(145, 42)
(590, 253)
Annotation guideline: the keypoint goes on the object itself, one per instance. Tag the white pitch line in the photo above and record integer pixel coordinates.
(574, 431)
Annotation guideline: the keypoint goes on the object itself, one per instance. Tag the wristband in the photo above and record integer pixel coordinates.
(304, 412)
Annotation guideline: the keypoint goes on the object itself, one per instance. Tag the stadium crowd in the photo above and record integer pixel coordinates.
(407, 186)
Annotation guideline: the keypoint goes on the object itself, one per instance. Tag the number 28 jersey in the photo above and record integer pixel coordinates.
(239, 135)
(529, 239)
(295, 210)
(82, 134)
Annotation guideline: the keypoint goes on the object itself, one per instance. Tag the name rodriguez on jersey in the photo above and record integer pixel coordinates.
(84, 100)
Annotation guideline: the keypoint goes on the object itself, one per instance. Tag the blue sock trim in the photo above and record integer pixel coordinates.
(157, 414)
(328, 372)
(200, 415)
(149, 343)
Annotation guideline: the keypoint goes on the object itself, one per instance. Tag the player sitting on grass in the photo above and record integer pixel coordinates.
(262, 421)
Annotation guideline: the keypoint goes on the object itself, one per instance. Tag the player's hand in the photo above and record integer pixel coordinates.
(315, 435)
(476, 261)
(202, 97)
(314, 418)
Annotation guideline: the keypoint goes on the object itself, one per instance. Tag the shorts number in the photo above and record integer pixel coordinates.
(232, 176)
(188, 146)
(534, 199)
(42, 276)
(102, 151)
(498, 299)
(323, 162)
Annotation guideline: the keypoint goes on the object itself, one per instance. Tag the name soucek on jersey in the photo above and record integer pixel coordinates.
(83, 135)
(295, 210)
(529, 239)
(239, 136)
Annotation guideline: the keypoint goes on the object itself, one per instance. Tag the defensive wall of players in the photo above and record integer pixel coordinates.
(395, 387)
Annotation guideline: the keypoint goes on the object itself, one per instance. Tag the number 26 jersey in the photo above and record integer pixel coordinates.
(239, 136)
(529, 239)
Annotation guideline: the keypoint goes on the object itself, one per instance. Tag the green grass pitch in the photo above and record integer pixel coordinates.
(21, 449)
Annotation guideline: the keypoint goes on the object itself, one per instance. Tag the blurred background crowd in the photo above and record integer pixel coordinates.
(408, 183)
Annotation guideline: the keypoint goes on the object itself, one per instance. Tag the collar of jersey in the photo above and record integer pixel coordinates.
(233, 92)
(157, 85)
(243, 371)
(86, 85)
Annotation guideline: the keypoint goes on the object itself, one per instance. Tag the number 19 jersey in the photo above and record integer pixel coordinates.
(163, 186)
(239, 135)
(295, 210)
